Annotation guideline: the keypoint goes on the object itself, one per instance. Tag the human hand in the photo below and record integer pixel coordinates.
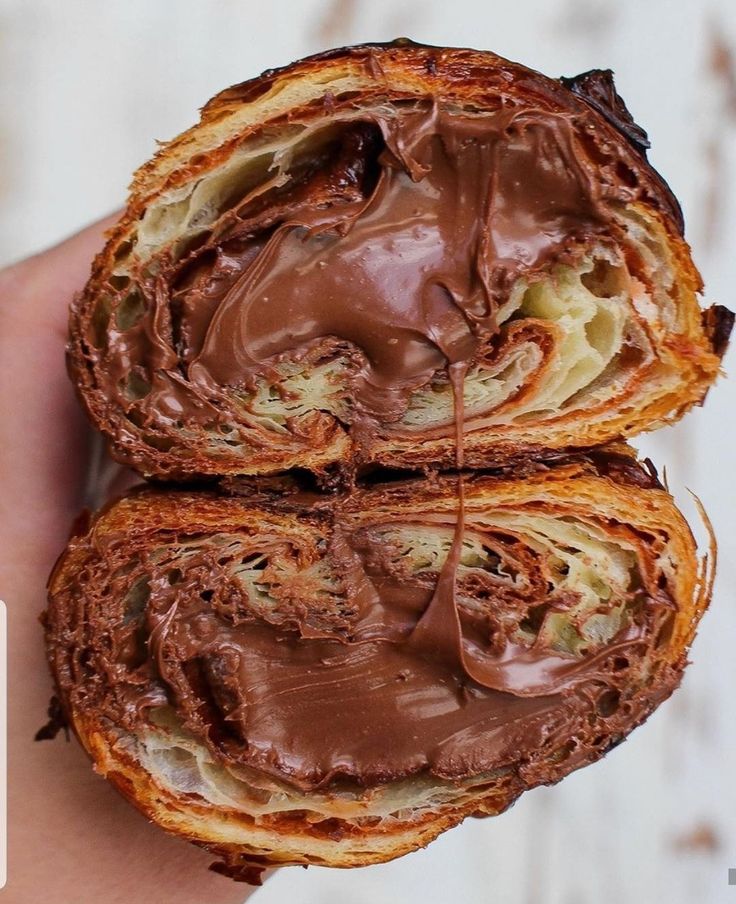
(71, 838)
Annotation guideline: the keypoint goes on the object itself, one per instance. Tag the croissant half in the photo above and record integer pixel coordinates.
(342, 250)
(292, 677)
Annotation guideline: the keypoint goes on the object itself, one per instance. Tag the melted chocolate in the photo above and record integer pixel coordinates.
(409, 275)
(391, 244)
(397, 673)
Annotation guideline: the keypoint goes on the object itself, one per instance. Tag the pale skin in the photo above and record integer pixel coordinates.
(71, 839)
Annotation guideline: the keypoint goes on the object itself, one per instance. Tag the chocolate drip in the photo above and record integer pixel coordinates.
(438, 632)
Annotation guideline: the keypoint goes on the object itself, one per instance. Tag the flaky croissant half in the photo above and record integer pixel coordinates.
(343, 249)
(291, 677)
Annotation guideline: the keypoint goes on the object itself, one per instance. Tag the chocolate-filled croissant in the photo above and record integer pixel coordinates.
(292, 677)
(353, 259)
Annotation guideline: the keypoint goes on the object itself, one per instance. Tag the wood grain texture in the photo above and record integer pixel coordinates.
(85, 88)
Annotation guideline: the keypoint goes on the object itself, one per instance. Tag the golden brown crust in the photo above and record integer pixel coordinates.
(609, 490)
(685, 358)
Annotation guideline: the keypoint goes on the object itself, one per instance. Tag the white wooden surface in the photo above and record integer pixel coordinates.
(86, 87)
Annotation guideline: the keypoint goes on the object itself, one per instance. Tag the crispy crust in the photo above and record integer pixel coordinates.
(354, 78)
(610, 486)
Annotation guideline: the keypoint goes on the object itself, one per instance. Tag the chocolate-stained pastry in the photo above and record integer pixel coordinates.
(299, 677)
(355, 258)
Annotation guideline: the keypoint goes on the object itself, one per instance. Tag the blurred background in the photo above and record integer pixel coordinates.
(86, 88)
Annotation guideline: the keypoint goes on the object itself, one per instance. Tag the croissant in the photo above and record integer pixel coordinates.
(363, 256)
(286, 676)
